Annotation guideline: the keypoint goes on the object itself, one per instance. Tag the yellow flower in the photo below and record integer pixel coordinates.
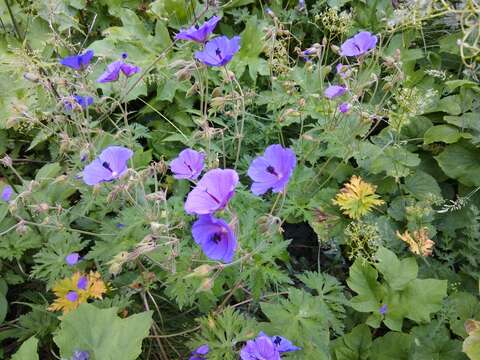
(419, 243)
(96, 286)
(357, 198)
(73, 291)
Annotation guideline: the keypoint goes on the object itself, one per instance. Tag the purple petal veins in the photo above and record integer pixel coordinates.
(262, 347)
(113, 70)
(72, 259)
(359, 44)
(199, 33)
(212, 192)
(344, 107)
(188, 165)
(215, 237)
(272, 170)
(78, 62)
(282, 344)
(334, 91)
(110, 165)
(199, 353)
(219, 51)
(7, 193)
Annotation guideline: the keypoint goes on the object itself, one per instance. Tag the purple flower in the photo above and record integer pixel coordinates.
(334, 91)
(283, 345)
(188, 165)
(110, 165)
(78, 62)
(199, 33)
(82, 101)
(80, 355)
(215, 237)
(359, 44)
(72, 258)
(113, 70)
(199, 353)
(272, 170)
(383, 309)
(119, 226)
(261, 348)
(72, 296)
(219, 51)
(7, 193)
(344, 107)
(82, 283)
(212, 192)
(301, 5)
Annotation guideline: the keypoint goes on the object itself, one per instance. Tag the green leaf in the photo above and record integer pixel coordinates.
(363, 280)
(393, 160)
(354, 345)
(3, 307)
(102, 333)
(397, 273)
(462, 306)
(471, 345)
(303, 320)
(392, 345)
(48, 172)
(422, 185)
(423, 297)
(442, 133)
(28, 350)
(460, 161)
(467, 120)
(433, 341)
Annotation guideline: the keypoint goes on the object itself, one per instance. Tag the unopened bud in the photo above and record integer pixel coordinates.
(201, 271)
(206, 285)
(21, 228)
(42, 208)
(6, 161)
(183, 74)
(30, 77)
(155, 227)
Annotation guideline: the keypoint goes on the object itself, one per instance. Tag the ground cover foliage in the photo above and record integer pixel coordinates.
(346, 227)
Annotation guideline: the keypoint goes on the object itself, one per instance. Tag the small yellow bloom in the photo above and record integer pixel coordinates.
(357, 198)
(96, 286)
(419, 243)
(73, 291)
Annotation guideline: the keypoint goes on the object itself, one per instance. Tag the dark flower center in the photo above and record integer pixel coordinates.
(106, 165)
(218, 52)
(197, 27)
(357, 47)
(271, 170)
(277, 340)
(216, 238)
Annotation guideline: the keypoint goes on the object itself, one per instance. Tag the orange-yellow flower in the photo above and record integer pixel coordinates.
(73, 291)
(357, 198)
(419, 243)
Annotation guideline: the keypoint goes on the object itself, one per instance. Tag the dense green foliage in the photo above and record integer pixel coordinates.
(392, 274)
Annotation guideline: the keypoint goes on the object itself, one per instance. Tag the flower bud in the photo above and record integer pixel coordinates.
(201, 271)
(6, 161)
(21, 228)
(206, 285)
(42, 208)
